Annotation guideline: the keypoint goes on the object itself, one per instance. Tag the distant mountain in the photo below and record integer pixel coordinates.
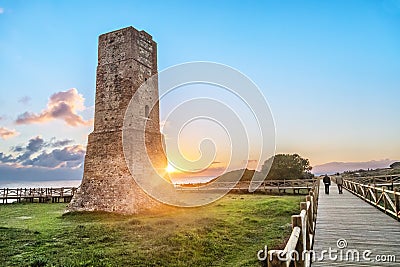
(334, 167)
(243, 175)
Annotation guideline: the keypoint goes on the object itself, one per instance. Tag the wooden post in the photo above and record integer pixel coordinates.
(310, 215)
(273, 259)
(296, 221)
(384, 199)
(370, 195)
(314, 204)
(308, 222)
(391, 178)
(396, 204)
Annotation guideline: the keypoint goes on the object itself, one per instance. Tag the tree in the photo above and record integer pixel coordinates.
(287, 166)
(395, 165)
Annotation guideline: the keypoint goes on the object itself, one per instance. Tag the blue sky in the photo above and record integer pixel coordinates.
(330, 70)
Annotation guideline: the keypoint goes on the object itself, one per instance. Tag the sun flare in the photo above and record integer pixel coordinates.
(170, 168)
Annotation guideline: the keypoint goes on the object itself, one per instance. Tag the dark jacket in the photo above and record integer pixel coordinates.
(327, 180)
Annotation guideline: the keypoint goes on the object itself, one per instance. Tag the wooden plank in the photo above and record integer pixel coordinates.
(389, 200)
(372, 194)
(363, 226)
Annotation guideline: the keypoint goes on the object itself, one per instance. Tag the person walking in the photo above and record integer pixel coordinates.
(327, 183)
(339, 182)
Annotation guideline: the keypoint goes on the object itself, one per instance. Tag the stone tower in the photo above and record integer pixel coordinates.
(126, 58)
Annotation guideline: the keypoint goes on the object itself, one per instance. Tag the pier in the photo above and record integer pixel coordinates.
(41, 195)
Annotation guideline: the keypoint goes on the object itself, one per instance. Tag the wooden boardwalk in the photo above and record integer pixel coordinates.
(42, 195)
(362, 226)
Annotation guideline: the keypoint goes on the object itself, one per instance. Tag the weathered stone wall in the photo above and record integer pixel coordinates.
(126, 58)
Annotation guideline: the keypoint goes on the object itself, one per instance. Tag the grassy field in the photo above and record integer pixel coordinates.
(228, 232)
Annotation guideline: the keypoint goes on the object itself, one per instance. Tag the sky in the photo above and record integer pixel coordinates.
(328, 69)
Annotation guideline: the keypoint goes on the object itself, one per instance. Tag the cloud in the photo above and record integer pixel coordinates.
(1, 10)
(4, 117)
(58, 143)
(62, 106)
(33, 146)
(6, 158)
(35, 153)
(7, 133)
(71, 157)
(36, 143)
(25, 100)
(17, 149)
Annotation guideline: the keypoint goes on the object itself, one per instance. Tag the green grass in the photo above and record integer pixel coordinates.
(228, 232)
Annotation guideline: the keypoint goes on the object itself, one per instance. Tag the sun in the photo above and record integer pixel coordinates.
(170, 168)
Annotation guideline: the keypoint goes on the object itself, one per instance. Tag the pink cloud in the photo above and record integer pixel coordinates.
(7, 133)
(62, 106)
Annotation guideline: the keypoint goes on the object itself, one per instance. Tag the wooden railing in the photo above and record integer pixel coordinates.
(388, 181)
(384, 199)
(279, 185)
(42, 194)
(301, 241)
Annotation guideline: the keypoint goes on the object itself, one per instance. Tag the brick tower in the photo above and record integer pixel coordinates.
(126, 58)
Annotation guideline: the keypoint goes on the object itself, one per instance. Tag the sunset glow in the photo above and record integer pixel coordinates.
(170, 168)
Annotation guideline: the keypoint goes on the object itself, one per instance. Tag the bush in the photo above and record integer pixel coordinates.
(287, 166)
